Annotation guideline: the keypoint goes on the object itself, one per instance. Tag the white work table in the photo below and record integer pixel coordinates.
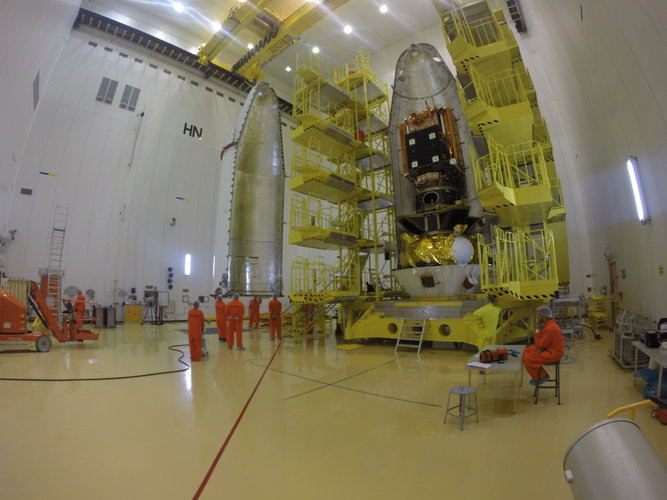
(513, 364)
(656, 354)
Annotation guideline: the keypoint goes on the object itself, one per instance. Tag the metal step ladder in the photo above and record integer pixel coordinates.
(54, 270)
(411, 334)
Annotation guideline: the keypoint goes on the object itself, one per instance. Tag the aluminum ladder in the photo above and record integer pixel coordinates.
(54, 271)
(411, 334)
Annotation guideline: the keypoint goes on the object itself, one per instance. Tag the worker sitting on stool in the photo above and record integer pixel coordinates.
(548, 348)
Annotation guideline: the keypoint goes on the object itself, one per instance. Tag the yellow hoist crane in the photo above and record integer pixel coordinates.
(275, 33)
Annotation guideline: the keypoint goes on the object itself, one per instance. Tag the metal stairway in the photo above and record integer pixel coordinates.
(411, 334)
(53, 291)
(305, 322)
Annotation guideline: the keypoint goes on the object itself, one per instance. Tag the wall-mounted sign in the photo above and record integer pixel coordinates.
(192, 130)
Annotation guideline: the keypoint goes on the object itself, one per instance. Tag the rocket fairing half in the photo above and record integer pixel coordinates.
(435, 200)
(422, 80)
(254, 257)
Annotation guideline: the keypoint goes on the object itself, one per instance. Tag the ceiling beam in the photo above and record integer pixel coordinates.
(305, 17)
(241, 16)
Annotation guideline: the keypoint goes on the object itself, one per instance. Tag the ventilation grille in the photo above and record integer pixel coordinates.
(107, 90)
(130, 97)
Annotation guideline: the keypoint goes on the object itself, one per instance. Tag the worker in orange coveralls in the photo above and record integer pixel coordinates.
(235, 312)
(548, 348)
(221, 318)
(195, 331)
(253, 313)
(79, 306)
(275, 320)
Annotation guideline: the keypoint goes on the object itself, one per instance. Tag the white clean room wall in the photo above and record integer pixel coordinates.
(124, 176)
(23, 58)
(141, 190)
(602, 86)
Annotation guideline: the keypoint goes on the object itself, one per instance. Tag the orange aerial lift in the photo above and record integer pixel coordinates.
(14, 326)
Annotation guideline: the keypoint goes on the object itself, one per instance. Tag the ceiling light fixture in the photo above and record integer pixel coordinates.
(288, 69)
(636, 190)
(178, 6)
(347, 29)
(316, 50)
(216, 26)
(384, 9)
(250, 46)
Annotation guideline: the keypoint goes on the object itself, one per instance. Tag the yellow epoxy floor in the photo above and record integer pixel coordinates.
(323, 423)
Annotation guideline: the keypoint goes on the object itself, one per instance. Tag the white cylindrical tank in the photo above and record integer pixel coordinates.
(612, 460)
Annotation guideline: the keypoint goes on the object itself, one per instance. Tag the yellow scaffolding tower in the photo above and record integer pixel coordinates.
(517, 178)
(341, 169)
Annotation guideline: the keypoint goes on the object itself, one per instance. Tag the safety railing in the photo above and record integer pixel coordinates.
(359, 68)
(347, 275)
(378, 182)
(308, 64)
(312, 213)
(312, 156)
(308, 106)
(514, 166)
(379, 281)
(632, 408)
(309, 276)
(541, 132)
(476, 23)
(557, 195)
(305, 100)
(314, 277)
(380, 227)
(342, 117)
(346, 218)
(524, 77)
(517, 257)
(501, 89)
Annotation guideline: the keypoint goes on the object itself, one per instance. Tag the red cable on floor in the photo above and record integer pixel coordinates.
(231, 433)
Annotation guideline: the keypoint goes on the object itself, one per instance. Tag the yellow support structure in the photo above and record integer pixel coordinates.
(241, 16)
(332, 177)
(341, 162)
(276, 33)
(478, 32)
(305, 17)
(513, 181)
(523, 265)
(517, 178)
